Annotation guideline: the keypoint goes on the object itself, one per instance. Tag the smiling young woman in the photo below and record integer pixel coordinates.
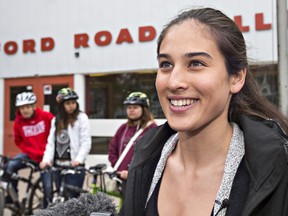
(208, 158)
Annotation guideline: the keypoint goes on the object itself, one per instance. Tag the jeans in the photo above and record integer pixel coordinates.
(14, 166)
(48, 177)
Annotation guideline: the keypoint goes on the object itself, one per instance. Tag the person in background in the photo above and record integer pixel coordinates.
(68, 144)
(139, 116)
(31, 130)
(223, 150)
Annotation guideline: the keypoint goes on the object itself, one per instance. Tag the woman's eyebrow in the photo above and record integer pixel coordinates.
(193, 54)
(162, 55)
(189, 55)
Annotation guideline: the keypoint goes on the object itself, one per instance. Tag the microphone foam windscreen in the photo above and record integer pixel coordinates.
(82, 206)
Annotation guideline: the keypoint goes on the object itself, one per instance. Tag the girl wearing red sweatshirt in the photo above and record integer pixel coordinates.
(31, 130)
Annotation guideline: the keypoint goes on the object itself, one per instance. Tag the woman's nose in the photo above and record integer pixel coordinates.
(178, 79)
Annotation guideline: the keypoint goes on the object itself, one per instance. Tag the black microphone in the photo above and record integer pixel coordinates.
(224, 204)
(85, 205)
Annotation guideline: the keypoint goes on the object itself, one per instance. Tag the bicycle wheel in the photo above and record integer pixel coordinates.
(35, 198)
(2, 201)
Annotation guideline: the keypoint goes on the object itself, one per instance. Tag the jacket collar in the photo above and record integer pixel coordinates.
(152, 143)
(266, 157)
(264, 143)
(266, 147)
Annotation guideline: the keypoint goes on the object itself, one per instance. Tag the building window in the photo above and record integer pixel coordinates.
(266, 77)
(106, 93)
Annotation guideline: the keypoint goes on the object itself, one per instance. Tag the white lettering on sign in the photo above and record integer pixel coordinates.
(34, 130)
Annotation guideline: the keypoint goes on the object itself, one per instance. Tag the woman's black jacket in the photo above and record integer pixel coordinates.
(260, 187)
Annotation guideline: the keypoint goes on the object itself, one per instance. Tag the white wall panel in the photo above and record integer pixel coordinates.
(108, 127)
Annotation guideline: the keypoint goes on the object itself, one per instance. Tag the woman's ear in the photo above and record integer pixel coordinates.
(237, 81)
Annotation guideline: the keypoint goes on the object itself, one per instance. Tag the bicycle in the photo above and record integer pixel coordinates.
(61, 194)
(33, 196)
(100, 171)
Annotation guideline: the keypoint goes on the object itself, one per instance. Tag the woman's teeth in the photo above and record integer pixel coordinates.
(183, 102)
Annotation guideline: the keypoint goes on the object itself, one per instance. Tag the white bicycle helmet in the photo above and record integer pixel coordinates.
(25, 98)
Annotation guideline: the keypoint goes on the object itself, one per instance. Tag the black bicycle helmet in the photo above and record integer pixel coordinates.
(137, 98)
(65, 94)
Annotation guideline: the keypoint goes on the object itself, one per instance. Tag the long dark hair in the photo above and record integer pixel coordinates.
(63, 119)
(231, 44)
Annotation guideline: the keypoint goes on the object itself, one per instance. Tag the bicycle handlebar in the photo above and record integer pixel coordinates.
(65, 169)
(98, 169)
(101, 169)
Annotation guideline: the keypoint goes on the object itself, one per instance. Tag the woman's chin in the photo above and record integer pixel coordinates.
(178, 126)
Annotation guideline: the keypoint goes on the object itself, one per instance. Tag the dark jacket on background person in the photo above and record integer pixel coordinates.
(260, 187)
